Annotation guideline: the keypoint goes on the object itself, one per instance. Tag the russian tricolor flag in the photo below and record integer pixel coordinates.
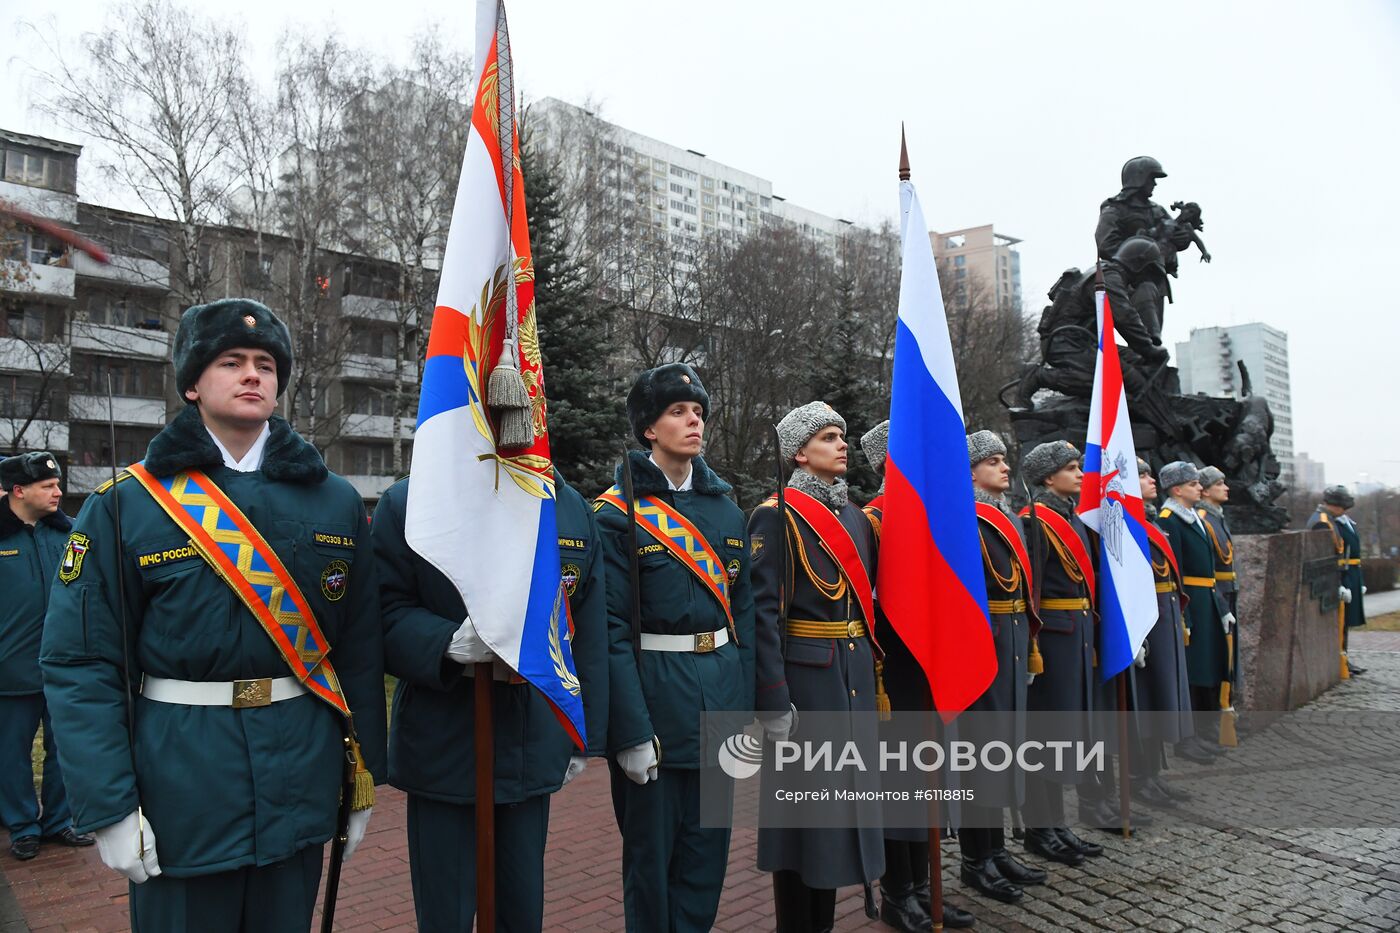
(482, 514)
(1111, 504)
(931, 584)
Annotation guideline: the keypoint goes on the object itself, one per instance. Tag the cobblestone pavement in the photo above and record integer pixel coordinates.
(1164, 879)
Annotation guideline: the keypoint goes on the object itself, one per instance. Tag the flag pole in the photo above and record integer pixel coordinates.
(935, 829)
(485, 801)
(1124, 772)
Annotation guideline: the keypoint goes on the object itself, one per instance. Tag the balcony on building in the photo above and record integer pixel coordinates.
(40, 175)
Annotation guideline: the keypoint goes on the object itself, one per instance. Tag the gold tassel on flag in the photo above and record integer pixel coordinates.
(1228, 738)
(1035, 664)
(363, 797)
(882, 699)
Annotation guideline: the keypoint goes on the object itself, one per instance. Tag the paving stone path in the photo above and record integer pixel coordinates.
(1168, 879)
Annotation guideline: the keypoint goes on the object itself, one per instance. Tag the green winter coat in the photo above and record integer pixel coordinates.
(223, 788)
(1207, 662)
(28, 559)
(666, 696)
(431, 734)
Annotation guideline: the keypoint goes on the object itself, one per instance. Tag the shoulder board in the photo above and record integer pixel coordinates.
(770, 503)
(1201, 512)
(1164, 513)
(123, 475)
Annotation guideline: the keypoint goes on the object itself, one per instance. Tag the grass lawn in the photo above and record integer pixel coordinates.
(1390, 622)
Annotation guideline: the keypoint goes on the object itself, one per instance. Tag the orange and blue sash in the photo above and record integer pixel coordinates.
(230, 544)
(682, 540)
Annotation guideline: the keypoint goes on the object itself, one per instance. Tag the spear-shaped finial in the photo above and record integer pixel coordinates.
(903, 154)
(1098, 276)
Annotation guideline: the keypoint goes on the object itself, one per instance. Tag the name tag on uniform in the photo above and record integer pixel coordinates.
(10, 552)
(333, 540)
(576, 543)
(735, 542)
(646, 549)
(169, 555)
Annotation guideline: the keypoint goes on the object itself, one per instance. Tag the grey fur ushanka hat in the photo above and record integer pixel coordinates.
(802, 424)
(1045, 460)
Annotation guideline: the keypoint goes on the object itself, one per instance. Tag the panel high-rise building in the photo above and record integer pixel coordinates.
(1208, 363)
(981, 253)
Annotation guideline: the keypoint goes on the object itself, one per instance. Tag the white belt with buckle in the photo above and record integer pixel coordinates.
(240, 694)
(699, 643)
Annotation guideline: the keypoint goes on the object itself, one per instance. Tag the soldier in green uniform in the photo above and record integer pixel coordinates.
(693, 654)
(32, 533)
(1215, 492)
(217, 814)
(1208, 619)
(905, 893)
(432, 647)
(816, 653)
(1331, 514)
(1064, 571)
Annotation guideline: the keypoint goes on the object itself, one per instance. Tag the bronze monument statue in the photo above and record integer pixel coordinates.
(1138, 245)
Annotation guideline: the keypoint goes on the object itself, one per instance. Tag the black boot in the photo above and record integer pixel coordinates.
(1149, 793)
(823, 902)
(1047, 844)
(1171, 790)
(1192, 750)
(954, 918)
(1016, 872)
(792, 907)
(983, 875)
(899, 908)
(1089, 849)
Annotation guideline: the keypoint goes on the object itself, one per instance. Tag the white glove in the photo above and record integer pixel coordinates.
(639, 762)
(1344, 594)
(1364, 589)
(778, 727)
(1141, 659)
(119, 846)
(355, 830)
(467, 647)
(1030, 679)
(576, 765)
(1227, 622)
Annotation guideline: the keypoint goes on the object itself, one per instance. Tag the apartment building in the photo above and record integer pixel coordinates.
(980, 253)
(1208, 365)
(71, 327)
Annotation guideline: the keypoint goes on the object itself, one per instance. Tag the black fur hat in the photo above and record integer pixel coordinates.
(659, 387)
(23, 469)
(208, 330)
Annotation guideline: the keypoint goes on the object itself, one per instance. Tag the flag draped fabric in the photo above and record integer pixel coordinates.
(1111, 504)
(930, 581)
(482, 514)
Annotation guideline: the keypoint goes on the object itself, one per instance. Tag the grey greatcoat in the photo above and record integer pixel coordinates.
(1163, 689)
(816, 674)
(1003, 706)
(1066, 635)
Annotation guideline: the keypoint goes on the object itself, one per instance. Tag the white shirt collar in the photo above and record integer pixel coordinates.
(1346, 518)
(686, 483)
(252, 460)
(1188, 514)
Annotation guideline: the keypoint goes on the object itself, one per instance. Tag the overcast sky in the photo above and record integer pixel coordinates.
(1281, 119)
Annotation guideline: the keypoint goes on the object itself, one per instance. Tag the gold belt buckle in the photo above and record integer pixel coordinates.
(853, 629)
(704, 642)
(250, 693)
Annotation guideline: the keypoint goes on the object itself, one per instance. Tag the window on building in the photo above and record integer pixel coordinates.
(708, 200)
(30, 396)
(369, 459)
(27, 322)
(135, 378)
(135, 309)
(707, 183)
(91, 444)
(371, 281)
(25, 166)
(960, 261)
(363, 399)
(954, 242)
(257, 269)
(708, 217)
(373, 341)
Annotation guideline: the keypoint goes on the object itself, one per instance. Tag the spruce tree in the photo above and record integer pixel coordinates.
(843, 376)
(587, 413)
